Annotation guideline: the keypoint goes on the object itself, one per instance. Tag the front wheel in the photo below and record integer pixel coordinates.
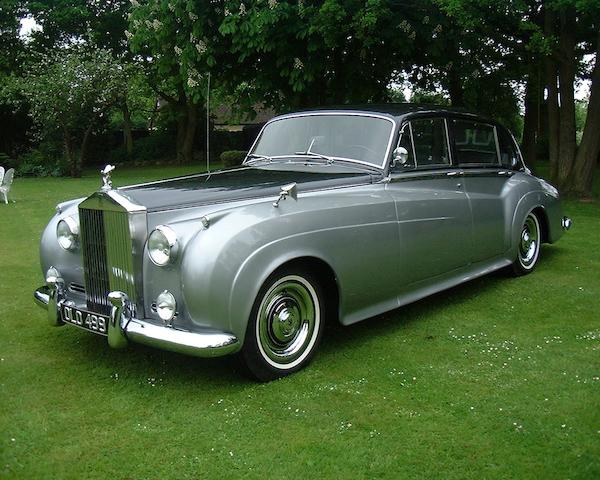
(529, 246)
(285, 325)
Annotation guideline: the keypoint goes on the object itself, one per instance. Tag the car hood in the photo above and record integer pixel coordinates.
(234, 185)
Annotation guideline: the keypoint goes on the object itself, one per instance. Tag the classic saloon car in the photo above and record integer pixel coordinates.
(335, 215)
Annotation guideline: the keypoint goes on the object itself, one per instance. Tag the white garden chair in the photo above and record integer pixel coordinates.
(1, 174)
(6, 184)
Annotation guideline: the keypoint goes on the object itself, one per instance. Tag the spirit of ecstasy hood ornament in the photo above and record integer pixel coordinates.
(106, 181)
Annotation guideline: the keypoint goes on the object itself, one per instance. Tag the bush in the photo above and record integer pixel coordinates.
(232, 158)
(157, 146)
(40, 163)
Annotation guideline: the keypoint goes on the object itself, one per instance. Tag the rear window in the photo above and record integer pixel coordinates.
(475, 143)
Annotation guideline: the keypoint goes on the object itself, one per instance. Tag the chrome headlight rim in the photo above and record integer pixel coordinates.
(169, 237)
(68, 239)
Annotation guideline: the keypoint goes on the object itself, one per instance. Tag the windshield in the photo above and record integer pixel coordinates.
(359, 138)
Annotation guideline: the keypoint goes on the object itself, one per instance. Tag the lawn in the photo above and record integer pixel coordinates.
(497, 378)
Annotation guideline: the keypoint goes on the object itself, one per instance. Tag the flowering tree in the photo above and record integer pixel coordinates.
(179, 43)
(70, 91)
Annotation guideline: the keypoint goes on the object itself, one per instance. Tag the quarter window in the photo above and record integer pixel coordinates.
(475, 143)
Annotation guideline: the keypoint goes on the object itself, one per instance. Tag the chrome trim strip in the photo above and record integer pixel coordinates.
(347, 114)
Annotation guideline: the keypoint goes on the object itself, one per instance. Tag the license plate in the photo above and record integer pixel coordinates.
(89, 321)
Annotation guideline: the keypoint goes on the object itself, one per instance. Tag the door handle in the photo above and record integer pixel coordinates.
(459, 185)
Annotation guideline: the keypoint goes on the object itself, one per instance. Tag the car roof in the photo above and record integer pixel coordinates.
(395, 110)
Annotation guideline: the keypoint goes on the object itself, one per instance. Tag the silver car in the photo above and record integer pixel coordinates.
(334, 216)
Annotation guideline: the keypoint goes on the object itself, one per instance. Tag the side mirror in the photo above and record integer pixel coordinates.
(399, 156)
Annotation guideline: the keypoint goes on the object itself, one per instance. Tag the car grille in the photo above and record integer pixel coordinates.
(107, 256)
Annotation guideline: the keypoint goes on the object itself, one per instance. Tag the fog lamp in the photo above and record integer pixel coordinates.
(166, 306)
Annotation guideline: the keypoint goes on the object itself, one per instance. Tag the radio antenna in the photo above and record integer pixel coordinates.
(208, 125)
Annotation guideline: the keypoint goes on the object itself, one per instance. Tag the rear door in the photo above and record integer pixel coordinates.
(486, 183)
(434, 218)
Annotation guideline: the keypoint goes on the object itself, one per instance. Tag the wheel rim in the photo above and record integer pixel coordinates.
(530, 242)
(288, 322)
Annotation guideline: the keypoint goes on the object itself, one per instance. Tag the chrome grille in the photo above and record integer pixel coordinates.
(107, 256)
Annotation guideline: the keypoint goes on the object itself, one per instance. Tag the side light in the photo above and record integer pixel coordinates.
(162, 245)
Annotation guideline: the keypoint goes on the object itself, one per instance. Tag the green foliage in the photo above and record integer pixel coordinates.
(36, 164)
(157, 147)
(429, 98)
(232, 158)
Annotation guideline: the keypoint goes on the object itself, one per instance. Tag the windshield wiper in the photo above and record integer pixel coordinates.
(330, 160)
(256, 156)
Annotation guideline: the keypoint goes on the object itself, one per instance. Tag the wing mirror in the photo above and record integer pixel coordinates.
(399, 156)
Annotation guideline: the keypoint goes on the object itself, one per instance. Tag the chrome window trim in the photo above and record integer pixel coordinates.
(323, 114)
(450, 153)
(499, 158)
(412, 143)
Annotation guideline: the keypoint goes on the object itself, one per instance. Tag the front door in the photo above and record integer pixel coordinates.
(434, 218)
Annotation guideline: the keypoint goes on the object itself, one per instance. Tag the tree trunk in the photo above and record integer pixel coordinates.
(186, 131)
(69, 154)
(127, 134)
(552, 102)
(566, 75)
(589, 149)
(455, 88)
(84, 148)
(531, 121)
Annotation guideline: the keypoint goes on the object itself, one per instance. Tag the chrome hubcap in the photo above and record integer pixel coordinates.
(288, 320)
(528, 248)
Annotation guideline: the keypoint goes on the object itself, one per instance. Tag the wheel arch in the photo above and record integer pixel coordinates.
(243, 296)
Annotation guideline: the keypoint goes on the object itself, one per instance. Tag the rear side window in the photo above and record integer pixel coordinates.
(475, 143)
(431, 143)
(509, 155)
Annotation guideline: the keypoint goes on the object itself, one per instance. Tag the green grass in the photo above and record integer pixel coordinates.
(497, 378)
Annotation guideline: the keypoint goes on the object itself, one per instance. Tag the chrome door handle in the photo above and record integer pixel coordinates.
(452, 174)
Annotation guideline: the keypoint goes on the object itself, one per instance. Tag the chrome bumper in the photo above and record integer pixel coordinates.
(124, 327)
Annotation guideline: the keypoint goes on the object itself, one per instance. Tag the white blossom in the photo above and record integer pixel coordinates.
(227, 12)
(298, 65)
(272, 4)
(201, 47)
(135, 3)
(192, 82)
(242, 9)
(193, 16)
(128, 34)
(156, 24)
(177, 50)
(171, 7)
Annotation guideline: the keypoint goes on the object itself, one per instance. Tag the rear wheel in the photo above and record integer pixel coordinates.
(529, 245)
(285, 325)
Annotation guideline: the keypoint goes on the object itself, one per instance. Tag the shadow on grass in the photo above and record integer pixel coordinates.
(142, 362)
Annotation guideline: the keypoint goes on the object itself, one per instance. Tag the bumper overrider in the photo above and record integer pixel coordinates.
(124, 327)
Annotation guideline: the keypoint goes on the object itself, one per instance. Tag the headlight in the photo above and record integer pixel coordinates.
(166, 306)
(162, 246)
(67, 233)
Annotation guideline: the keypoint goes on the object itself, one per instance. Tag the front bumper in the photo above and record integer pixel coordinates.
(124, 327)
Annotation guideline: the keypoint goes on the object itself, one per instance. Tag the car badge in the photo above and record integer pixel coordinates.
(106, 181)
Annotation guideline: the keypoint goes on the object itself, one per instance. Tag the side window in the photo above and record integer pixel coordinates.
(475, 143)
(431, 143)
(509, 155)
